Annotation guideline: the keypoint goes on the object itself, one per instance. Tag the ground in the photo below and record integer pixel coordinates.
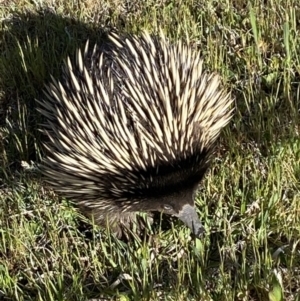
(248, 201)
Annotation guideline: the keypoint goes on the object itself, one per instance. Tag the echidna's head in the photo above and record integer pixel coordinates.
(169, 188)
(178, 202)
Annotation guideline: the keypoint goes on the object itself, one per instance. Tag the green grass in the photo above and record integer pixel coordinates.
(249, 201)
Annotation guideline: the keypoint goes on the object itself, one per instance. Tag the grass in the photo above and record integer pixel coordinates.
(249, 200)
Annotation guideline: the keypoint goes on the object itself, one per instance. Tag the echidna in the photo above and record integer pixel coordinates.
(132, 129)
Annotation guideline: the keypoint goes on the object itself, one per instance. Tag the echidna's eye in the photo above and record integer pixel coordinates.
(168, 207)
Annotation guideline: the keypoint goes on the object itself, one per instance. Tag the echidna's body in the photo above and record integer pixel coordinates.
(133, 130)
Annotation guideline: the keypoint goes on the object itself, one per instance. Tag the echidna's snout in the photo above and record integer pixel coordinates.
(189, 216)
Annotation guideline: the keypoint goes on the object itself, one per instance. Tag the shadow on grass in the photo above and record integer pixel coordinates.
(34, 46)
